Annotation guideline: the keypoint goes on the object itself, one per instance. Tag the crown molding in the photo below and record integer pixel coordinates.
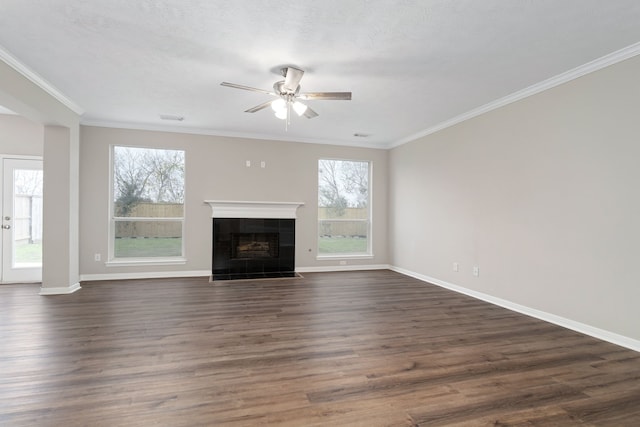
(39, 81)
(590, 67)
(567, 76)
(5, 110)
(214, 132)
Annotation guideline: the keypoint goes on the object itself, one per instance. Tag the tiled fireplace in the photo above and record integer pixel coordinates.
(253, 240)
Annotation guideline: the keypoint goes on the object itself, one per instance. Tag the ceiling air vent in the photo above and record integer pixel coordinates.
(173, 117)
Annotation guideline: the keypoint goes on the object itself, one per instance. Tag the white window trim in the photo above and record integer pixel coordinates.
(112, 261)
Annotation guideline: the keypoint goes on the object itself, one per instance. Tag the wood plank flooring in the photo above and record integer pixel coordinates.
(341, 349)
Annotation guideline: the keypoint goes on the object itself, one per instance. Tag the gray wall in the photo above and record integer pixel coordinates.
(215, 169)
(20, 136)
(543, 195)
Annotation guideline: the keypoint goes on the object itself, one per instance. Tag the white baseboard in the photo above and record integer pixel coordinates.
(354, 267)
(145, 275)
(61, 290)
(207, 273)
(601, 334)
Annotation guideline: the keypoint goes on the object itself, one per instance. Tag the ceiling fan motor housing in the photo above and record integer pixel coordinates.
(278, 87)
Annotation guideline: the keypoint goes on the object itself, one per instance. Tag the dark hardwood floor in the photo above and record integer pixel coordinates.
(341, 349)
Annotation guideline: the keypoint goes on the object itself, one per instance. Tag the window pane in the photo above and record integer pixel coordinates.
(148, 182)
(343, 207)
(343, 237)
(27, 218)
(343, 184)
(149, 210)
(148, 239)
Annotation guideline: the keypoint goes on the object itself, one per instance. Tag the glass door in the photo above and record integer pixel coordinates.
(22, 220)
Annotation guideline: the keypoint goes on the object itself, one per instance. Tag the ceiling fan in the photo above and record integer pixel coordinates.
(288, 96)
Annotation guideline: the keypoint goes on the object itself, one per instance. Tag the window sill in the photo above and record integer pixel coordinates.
(344, 256)
(145, 261)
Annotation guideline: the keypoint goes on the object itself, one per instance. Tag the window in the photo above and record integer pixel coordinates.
(147, 204)
(344, 208)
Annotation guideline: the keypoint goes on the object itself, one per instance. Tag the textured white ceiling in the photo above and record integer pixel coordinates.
(410, 64)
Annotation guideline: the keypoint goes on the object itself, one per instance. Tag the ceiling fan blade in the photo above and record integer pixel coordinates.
(252, 89)
(336, 96)
(258, 107)
(292, 79)
(310, 114)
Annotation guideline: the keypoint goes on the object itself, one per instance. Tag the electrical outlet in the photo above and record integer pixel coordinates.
(456, 267)
(97, 257)
(263, 164)
(476, 271)
(343, 262)
(247, 163)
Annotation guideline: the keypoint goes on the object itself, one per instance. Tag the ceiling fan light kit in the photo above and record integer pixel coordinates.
(299, 108)
(288, 93)
(278, 105)
(282, 114)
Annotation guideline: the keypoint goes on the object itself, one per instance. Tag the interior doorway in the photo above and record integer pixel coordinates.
(22, 190)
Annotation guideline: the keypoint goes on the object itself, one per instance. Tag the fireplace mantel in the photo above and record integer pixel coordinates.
(245, 209)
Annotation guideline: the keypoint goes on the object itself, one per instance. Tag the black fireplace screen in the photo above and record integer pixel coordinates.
(254, 245)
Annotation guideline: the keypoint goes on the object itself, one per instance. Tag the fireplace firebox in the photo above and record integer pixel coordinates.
(253, 248)
(254, 245)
